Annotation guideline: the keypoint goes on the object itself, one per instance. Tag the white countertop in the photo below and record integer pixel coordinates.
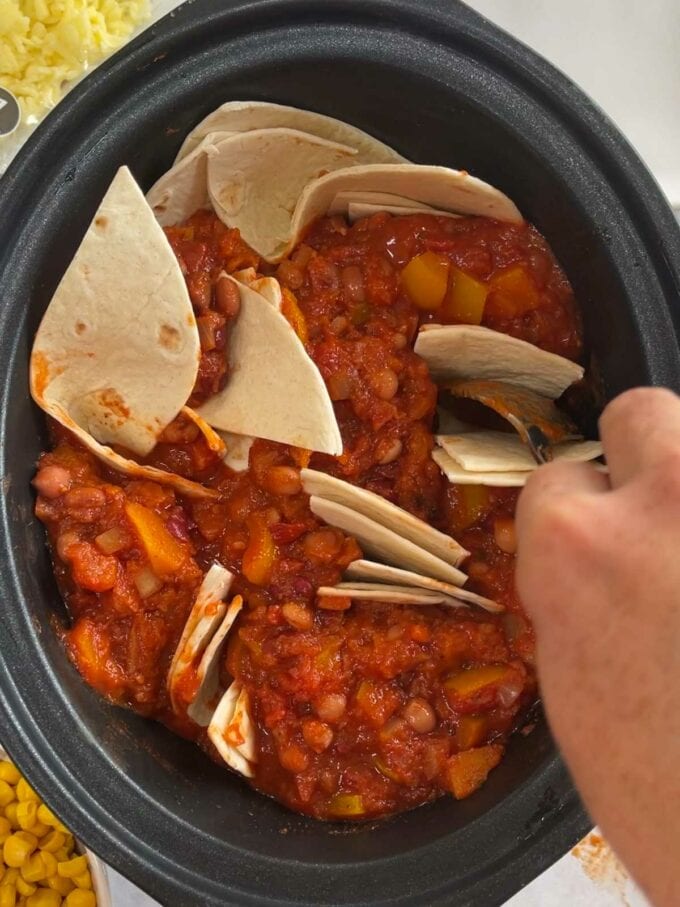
(625, 55)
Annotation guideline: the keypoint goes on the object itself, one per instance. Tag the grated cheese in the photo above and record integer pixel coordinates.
(47, 43)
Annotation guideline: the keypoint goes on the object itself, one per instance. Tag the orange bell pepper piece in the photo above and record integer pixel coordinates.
(165, 553)
(469, 770)
(260, 553)
(292, 312)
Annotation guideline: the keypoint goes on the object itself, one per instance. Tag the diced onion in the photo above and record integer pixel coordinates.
(147, 582)
(112, 541)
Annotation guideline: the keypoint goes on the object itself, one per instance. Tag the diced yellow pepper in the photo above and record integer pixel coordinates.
(25, 791)
(472, 680)
(260, 554)
(346, 806)
(471, 731)
(292, 312)
(425, 279)
(44, 897)
(7, 794)
(72, 868)
(166, 555)
(465, 299)
(18, 847)
(80, 898)
(468, 770)
(9, 772)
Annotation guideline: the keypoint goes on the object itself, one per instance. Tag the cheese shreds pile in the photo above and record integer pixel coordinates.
(46, 43)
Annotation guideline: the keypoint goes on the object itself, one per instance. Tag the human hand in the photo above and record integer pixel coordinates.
(599, 573)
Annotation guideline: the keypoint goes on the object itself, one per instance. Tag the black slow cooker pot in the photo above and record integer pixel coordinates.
(442, 86)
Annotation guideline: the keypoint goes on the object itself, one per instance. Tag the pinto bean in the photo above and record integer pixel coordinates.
(297, 616)
(227, 298)
(317, 735)
(291, 274)
(385, 383)
(505, 535)
(86, 497)
(388, 450)
(283, 480)
(420, 715)
(323, 545)
(52, 481)
(353, 283)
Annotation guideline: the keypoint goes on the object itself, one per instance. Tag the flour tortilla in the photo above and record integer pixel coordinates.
(118, 348)
(439, 187)
(394, 518)
(495, 451)
(204, 618)
(455, 473)
(230, 724)
(183, 189)
(269, 287)
(364, 204)
(382, 543)
(275, 390)
(378, 592)
(255, 179)
(369, 571)
(245, 116)
(470, 351)
(201, 707)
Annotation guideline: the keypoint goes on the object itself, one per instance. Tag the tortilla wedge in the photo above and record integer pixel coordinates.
(204, 618)
(382, 543)
(375, 508)
(369, 571)
(255, 179)
(357, 210)
(120, 322)
(495, 451)
(455, 473)
(201, 706)
(275, 390)
(378, 592)
(245, 116)
(269, 287)
(470, 351)
(231, 731)
(183, 189)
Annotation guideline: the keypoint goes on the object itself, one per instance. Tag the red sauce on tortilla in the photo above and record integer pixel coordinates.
(360, 709)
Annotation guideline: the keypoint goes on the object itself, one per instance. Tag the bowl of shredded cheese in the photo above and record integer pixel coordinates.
(46, 46)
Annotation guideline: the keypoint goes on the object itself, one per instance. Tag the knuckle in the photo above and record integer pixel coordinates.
(639, 403)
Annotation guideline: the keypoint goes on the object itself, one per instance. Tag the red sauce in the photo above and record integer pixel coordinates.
(365, 710)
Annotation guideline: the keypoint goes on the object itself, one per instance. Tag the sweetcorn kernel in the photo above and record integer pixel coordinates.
(10, 877)
(69, 869)
(80, 898)
(7, 793)
(11, 814)
(51, 842)
(33, 869)
(27, 814)
(18, 847)
(25, 888)
(5, 829)
(63, 886)
(25, 791)
(44, 897)
(47, 817)
(84, 880)
(8, 896)
(9, 772)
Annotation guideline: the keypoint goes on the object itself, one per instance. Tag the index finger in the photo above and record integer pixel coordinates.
(638, 429)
